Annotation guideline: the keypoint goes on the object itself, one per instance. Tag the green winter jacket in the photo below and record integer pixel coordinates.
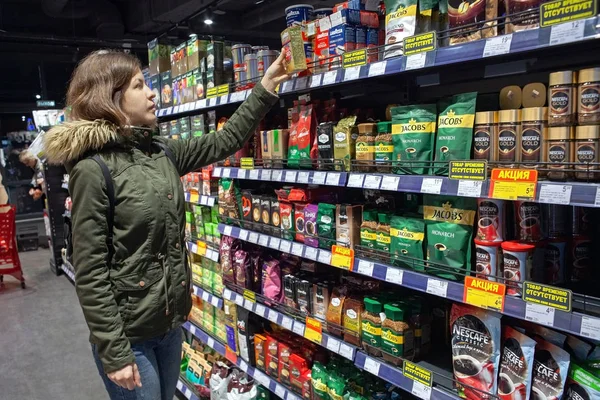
(146, 291)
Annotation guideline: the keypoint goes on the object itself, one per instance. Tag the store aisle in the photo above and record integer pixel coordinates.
(44, 348)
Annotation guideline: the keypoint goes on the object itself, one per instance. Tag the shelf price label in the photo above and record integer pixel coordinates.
(342, 257)
(497, 45)
(555, 194)
(545, 295)
(485, 294)
(420, 43)
(354, 59)
(560, 11)
(314, 330)
(247, 162)
(513, 184)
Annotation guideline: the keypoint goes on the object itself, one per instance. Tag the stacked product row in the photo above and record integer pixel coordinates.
(208, 275)
(187, 127)
(202, 223)
(200, 182)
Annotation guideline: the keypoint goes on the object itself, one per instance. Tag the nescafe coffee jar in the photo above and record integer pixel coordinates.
(581, 258)
(555, 261)
(484, 136)
(588, 96)
(488, 259)
(517, 265)
(490, 220)
(529, 221)
(587, 138)
(509, 124)
(560, 98)
(559, 152)
(534, 123)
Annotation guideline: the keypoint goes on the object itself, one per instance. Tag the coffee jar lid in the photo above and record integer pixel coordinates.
(559, 133)
(485, 117)
(367, 128)
(509, 116)
(534, 114)
(588, 132)
(561, 77)
(589, 75)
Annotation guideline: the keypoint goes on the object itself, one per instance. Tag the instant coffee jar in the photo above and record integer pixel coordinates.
(586, 152)
(559, 152)
(485, 136)
(533, 133)
(509, 126)
(588, 96)
(560, 98)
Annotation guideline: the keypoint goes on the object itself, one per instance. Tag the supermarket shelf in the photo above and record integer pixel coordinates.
(280, 175)
(519, 42)
(395, 377)
(575, 193)
(203, 249)
(195, 198)
(186, 391)
(206, 296)
(571, 322)
(335, 345)
(280, 390)
(204, 104)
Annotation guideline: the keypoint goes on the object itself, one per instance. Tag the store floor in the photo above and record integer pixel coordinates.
(44, 348)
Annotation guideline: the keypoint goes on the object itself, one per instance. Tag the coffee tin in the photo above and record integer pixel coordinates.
(265, 59)
(581, 256)
(555, 260)
(238, 52)
(529, 222)
(251, 61)
(323, 12)
(557, 220)
(488, 259)
(490, 220)
(581, 220)
(298, 14)
(517, 263)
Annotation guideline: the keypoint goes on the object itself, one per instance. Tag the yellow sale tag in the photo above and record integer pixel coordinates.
(212, 92)
(513, 184)
(201, 248)
(342, 257)
(314, 330)
(194, 197)
(247, 162)
(249, 295)
(485, 294)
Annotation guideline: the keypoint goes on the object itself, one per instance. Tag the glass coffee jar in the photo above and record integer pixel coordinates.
(559, 152)
(588, 96)
(509, 126)
(560, 98)
(586, 152)
(484, 136)
(534, 122)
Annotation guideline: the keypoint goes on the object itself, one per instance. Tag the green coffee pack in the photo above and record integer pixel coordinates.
(326, 225)
(455, 130)
(449, 228)
(413, 134)
(407, 238)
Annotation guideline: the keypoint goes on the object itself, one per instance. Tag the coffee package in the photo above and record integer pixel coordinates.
(475, 351)
(347, 225)
(301, 137)
(550, 368)
(477, 19)
(400, 22)
(455, 130)
(325, 146)
(516, 365)
(582, 384)
(293, 49)
(413, 133)
(279, 146)
(326, 225)
(407, 237)
(310, 224)
(449, 226)
(345, 134)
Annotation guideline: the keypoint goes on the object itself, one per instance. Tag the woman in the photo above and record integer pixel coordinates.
(135, 294)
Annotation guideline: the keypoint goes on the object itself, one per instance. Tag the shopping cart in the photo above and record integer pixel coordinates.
(10, 264)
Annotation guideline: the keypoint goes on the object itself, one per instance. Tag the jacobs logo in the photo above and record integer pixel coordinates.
(450, 119)
(414, 126)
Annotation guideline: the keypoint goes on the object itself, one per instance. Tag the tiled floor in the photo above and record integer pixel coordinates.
(44, 348)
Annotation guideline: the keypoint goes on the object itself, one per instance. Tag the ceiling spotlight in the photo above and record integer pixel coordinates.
(208, 20)
(37, 96)
(23, 118)
(257, 2)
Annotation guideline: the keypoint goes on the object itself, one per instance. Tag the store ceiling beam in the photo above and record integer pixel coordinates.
(154, 16)
(137, 43)
(276, 10)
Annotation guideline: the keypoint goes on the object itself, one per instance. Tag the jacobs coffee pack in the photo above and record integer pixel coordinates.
(407, 236)
(449, 226)
(455, 130)
(413, 133)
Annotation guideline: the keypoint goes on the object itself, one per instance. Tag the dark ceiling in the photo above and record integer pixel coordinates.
(42, 40)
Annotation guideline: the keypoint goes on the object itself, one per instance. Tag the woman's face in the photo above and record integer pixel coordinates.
(138, 102)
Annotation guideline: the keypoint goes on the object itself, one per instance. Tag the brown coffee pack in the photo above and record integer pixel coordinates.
(347, 224)
(478, 17)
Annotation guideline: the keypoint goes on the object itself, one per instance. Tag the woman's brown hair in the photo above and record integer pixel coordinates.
(97, 86)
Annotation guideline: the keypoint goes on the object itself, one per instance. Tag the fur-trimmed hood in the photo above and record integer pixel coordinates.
(69, 141)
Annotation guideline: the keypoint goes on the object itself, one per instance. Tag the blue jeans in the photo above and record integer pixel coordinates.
(158, 361)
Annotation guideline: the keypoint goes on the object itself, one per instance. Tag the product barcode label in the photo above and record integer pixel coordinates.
(287, 323)
(290, 176)
(333, 344)
(301, 83)
(437, 287)
(351, 73)
(469, 188)
(372, 182)
(324, 257)
(372, 366)
(497, 45)
(365, 267)
(555, 194)
(590, 327)
(243, 235)
(224, 99)
(253, 237)
(297, 249)
(226, 173)
(260, 310)
(266, 175)
(272, 316)
(285, 246)
(310, 252)
(431, 185)
(421, 391)
(416, 61)
(274, 243)
(298, 328)
(263, 240)
(280, 391)
(254, 174)
(333, 178)
(277, 175)
(539, 314)
(394, 275)
(567, 32)
(227, 230)
(346, 351)
(390, 183)
(319, 178)
(329, 78)
(315, 80)
(303, 177)
(377, 69)
(356, 180)
(286, 86)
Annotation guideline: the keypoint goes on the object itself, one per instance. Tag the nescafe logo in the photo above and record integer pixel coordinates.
(531, 141)
(482, 255)
(576, 392)
(482, 141)
(582, 250)
(507, 140)
(511, 262)
(590, 99)
(488, 209)
(529, 210)
(557, 153)
(586, 153)
(559, 101)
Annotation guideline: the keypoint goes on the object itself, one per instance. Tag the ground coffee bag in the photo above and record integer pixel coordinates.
(582, 384)
(449, 234)
(407, 237)
(455, 130)
(550, 367)
(516, 365)
(413, 133)
(475, 351)
(400, 22)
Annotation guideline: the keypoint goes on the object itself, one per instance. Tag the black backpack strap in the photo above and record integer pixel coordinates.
(168, 152)
(110, 191)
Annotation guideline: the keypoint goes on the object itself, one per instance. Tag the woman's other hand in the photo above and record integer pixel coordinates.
(276, 74)
(127, 377)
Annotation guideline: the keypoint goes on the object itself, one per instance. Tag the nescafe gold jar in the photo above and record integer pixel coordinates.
(534, 122)
(586, 152)
(588, 96)
(509, 126)
(559, 152)
(484, 136)
(560, 98)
